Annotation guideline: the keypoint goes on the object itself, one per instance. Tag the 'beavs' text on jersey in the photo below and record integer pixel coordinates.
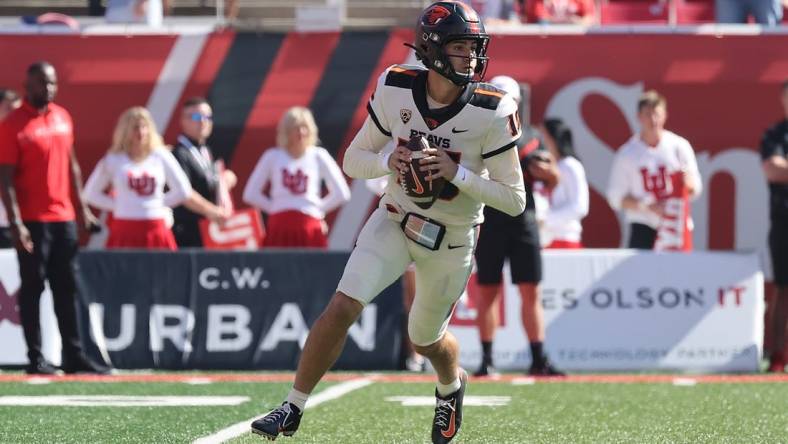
(480, 124)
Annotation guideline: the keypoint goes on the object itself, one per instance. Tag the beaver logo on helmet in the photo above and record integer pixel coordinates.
(435, 14)
(445, 22)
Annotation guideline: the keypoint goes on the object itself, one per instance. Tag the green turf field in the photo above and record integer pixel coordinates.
(552, 412)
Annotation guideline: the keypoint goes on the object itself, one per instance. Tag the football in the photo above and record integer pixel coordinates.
(421, 191)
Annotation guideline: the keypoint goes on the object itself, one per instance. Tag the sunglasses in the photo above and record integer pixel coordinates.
(198, 117)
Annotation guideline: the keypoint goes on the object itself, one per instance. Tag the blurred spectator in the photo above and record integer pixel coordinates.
(137, 167)
(569, 198)
(653, 177)
(516, 238)
(492, 11)
(37, 158)
(294, 171)
(9, 101)
(774, 152)
(204, 174)
(576, 12)
(231, 9)
(95, 8)
(150, 12)
(765, 12)
(52, 19)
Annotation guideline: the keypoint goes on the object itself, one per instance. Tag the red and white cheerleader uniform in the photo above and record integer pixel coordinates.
(296, 210)
(139, 204)
(568, 206)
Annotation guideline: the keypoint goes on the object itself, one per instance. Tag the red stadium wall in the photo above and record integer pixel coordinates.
(722, 93)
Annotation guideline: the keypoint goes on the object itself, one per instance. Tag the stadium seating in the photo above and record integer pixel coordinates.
(634, 12)
(690, 12)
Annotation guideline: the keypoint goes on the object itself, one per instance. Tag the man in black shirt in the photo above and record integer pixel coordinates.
(197, 161)
(774, 152)
(516, 238)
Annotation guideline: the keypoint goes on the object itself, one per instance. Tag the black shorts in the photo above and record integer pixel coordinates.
(641, 237)
(503, 236)
(5, 238)
(778, 247)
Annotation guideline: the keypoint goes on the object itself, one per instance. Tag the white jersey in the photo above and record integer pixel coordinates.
(138, 187)
(568, 203)
(646, 173)
(478, 130)
(296, 183)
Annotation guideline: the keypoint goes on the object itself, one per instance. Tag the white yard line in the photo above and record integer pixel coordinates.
(328, 394)
(34, 380)
(685, 382)
(524, 381)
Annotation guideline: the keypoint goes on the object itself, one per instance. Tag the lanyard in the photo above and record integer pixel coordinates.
(201, 155)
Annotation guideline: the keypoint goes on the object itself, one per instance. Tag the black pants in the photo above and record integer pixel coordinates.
(642, 237)
(54, 251)
(187, 233)
(778, 247)
(5, 238)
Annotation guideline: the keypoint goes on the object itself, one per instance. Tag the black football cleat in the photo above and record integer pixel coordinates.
(284, 419)
(546, 369)
(448, 413)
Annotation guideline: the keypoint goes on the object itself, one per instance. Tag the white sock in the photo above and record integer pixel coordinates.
(447, 389)
(297, 398)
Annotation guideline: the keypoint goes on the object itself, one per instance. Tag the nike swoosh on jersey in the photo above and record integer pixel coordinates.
(452, 247)
(456, 131)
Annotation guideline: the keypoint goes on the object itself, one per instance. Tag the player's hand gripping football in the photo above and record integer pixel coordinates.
(399, 160)
(422, 170)
(438, 164)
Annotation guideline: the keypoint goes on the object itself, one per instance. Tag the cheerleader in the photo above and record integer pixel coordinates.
(568, 201)
(136, 168)
(293, 172)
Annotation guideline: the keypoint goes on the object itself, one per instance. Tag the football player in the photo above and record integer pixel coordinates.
(472, 128)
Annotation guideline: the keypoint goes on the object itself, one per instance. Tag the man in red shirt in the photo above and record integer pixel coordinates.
(38, 170)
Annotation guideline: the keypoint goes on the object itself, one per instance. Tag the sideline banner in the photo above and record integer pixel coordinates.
(234, 310)
(12, 338)
(624, 310)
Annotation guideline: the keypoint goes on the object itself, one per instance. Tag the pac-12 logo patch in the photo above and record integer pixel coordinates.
(405, 114)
